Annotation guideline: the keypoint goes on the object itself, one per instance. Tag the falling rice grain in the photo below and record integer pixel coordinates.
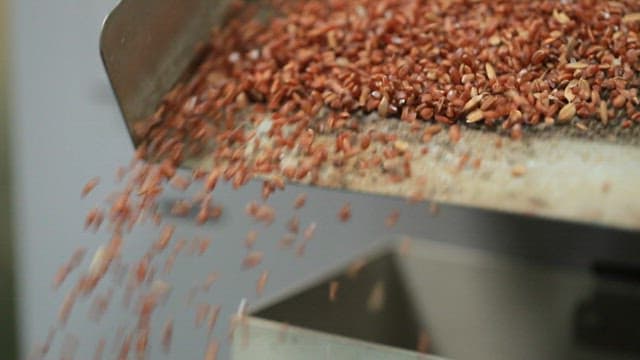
(333, 290)
(392, 219)
(64, 270)
(310, 231)
(423, 343)
(99, 352)
(294, 224)
(94, 219)
(125, 348)
(69, 347)
(202, 310)
(213, 318)
(210, 280)
(287, 241)
(181, 208)
(262, 282)
(89, 186)
(355, 267)
(212, 350)
(300, 201)
(67, 306)
(180, 183)
(252, 260)
(142, 343)
(301, 248)
(165, 237)
(251, 238)
(167, 335)
(203, 245)
(345, 212)
(434, 208)
(405, 246)
(377, 297)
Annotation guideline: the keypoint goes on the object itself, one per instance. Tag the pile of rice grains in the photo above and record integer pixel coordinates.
(317, 68)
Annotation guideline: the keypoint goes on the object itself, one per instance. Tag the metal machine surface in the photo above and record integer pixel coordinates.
(148, 46)
(471, 304)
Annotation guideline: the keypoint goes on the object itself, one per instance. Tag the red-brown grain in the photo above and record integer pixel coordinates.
(262, 282)
(333, 290)
(344, 214)
(252, 259)
(392, 219)
(300, 201)
(212, 350)
(167, 335)
(89, 186)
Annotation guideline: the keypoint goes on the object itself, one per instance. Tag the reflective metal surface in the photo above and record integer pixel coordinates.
(147, 45)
